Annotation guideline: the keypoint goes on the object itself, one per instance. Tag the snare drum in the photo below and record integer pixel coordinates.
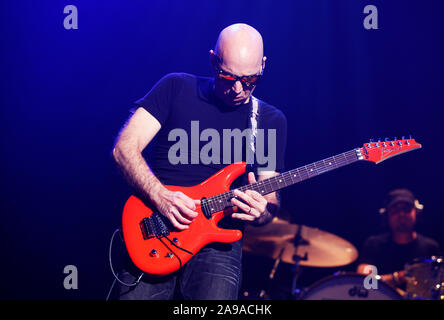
(425, 278)
(349, 286)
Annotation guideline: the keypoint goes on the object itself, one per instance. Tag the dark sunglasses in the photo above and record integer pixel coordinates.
(248, 81)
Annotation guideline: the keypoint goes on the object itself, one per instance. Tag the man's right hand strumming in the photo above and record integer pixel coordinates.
(176, 206)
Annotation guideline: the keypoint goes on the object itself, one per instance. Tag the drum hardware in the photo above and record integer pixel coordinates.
(262, 294)
(297, 241)
(323, 249)
(349, 286)
(298, 245)
(425, 278)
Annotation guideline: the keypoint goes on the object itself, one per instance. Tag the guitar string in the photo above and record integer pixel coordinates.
(319, 167)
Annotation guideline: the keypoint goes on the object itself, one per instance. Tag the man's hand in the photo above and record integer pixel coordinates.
(254, 205)
(177, 207)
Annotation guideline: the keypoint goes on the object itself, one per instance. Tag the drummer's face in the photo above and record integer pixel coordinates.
(402, 217)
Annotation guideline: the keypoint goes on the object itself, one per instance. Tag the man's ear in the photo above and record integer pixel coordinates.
(263, 62)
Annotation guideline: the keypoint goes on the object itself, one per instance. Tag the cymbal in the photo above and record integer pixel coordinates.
(320, 248)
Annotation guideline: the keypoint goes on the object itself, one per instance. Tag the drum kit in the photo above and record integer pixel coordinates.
(308, 247)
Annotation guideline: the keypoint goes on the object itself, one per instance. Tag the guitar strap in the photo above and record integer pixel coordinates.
(252, 125)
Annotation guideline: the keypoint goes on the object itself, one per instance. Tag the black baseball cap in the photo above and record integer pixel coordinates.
(399, 195)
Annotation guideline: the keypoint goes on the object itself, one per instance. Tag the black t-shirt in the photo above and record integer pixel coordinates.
(186, 107)
(388, 256)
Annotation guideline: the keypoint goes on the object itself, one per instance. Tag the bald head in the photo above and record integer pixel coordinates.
(241, 49)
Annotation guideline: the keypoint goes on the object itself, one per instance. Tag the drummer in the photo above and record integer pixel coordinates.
(390, 251)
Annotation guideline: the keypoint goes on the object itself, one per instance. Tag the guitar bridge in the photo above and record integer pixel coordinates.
(155, 226)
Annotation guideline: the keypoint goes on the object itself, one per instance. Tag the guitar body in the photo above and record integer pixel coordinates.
(167, 257)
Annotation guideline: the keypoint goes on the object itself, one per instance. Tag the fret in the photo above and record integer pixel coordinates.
(327, 164)
(321, 167)
(335, 161)
(262, 189)
(266, 188)
(310, 170)
(292, 176)
(280, 181)
(318, 168)
(299, 174)
(303, 173)
(272, 184)
(345, 158)
(313, 168)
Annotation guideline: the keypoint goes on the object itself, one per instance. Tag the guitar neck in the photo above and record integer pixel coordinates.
(283, 180)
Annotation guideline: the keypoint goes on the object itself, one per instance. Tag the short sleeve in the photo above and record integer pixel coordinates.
(158, 101)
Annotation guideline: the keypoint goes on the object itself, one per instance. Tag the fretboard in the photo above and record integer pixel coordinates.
(221, 201)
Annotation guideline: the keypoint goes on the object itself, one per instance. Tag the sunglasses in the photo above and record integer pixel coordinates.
(247, 81)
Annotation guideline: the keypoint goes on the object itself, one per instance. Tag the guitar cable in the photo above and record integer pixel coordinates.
(116, 278)
(160, 239)
(172, 242)
(112, 269)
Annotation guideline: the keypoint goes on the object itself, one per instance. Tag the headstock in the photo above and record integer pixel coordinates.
(382, 150)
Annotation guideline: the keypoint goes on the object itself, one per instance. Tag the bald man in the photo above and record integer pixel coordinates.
(182, 106)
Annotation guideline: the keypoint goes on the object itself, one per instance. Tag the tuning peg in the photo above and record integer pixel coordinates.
(377, 143)
(395, 138)
(403, 138)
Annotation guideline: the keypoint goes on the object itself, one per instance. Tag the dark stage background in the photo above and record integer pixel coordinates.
(66, 93)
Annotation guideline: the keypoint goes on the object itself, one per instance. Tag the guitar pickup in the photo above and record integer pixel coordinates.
(155, 226)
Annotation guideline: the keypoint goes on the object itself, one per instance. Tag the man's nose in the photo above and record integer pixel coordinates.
(237, 87)
(402, 213)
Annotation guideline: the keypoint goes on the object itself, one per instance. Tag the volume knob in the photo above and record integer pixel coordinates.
(153, 253)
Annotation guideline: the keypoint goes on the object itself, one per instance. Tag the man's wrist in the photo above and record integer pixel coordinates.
(395, 276)
(153, 188)
(266, 217)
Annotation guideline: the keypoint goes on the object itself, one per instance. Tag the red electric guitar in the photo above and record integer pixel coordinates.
(157, 248)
